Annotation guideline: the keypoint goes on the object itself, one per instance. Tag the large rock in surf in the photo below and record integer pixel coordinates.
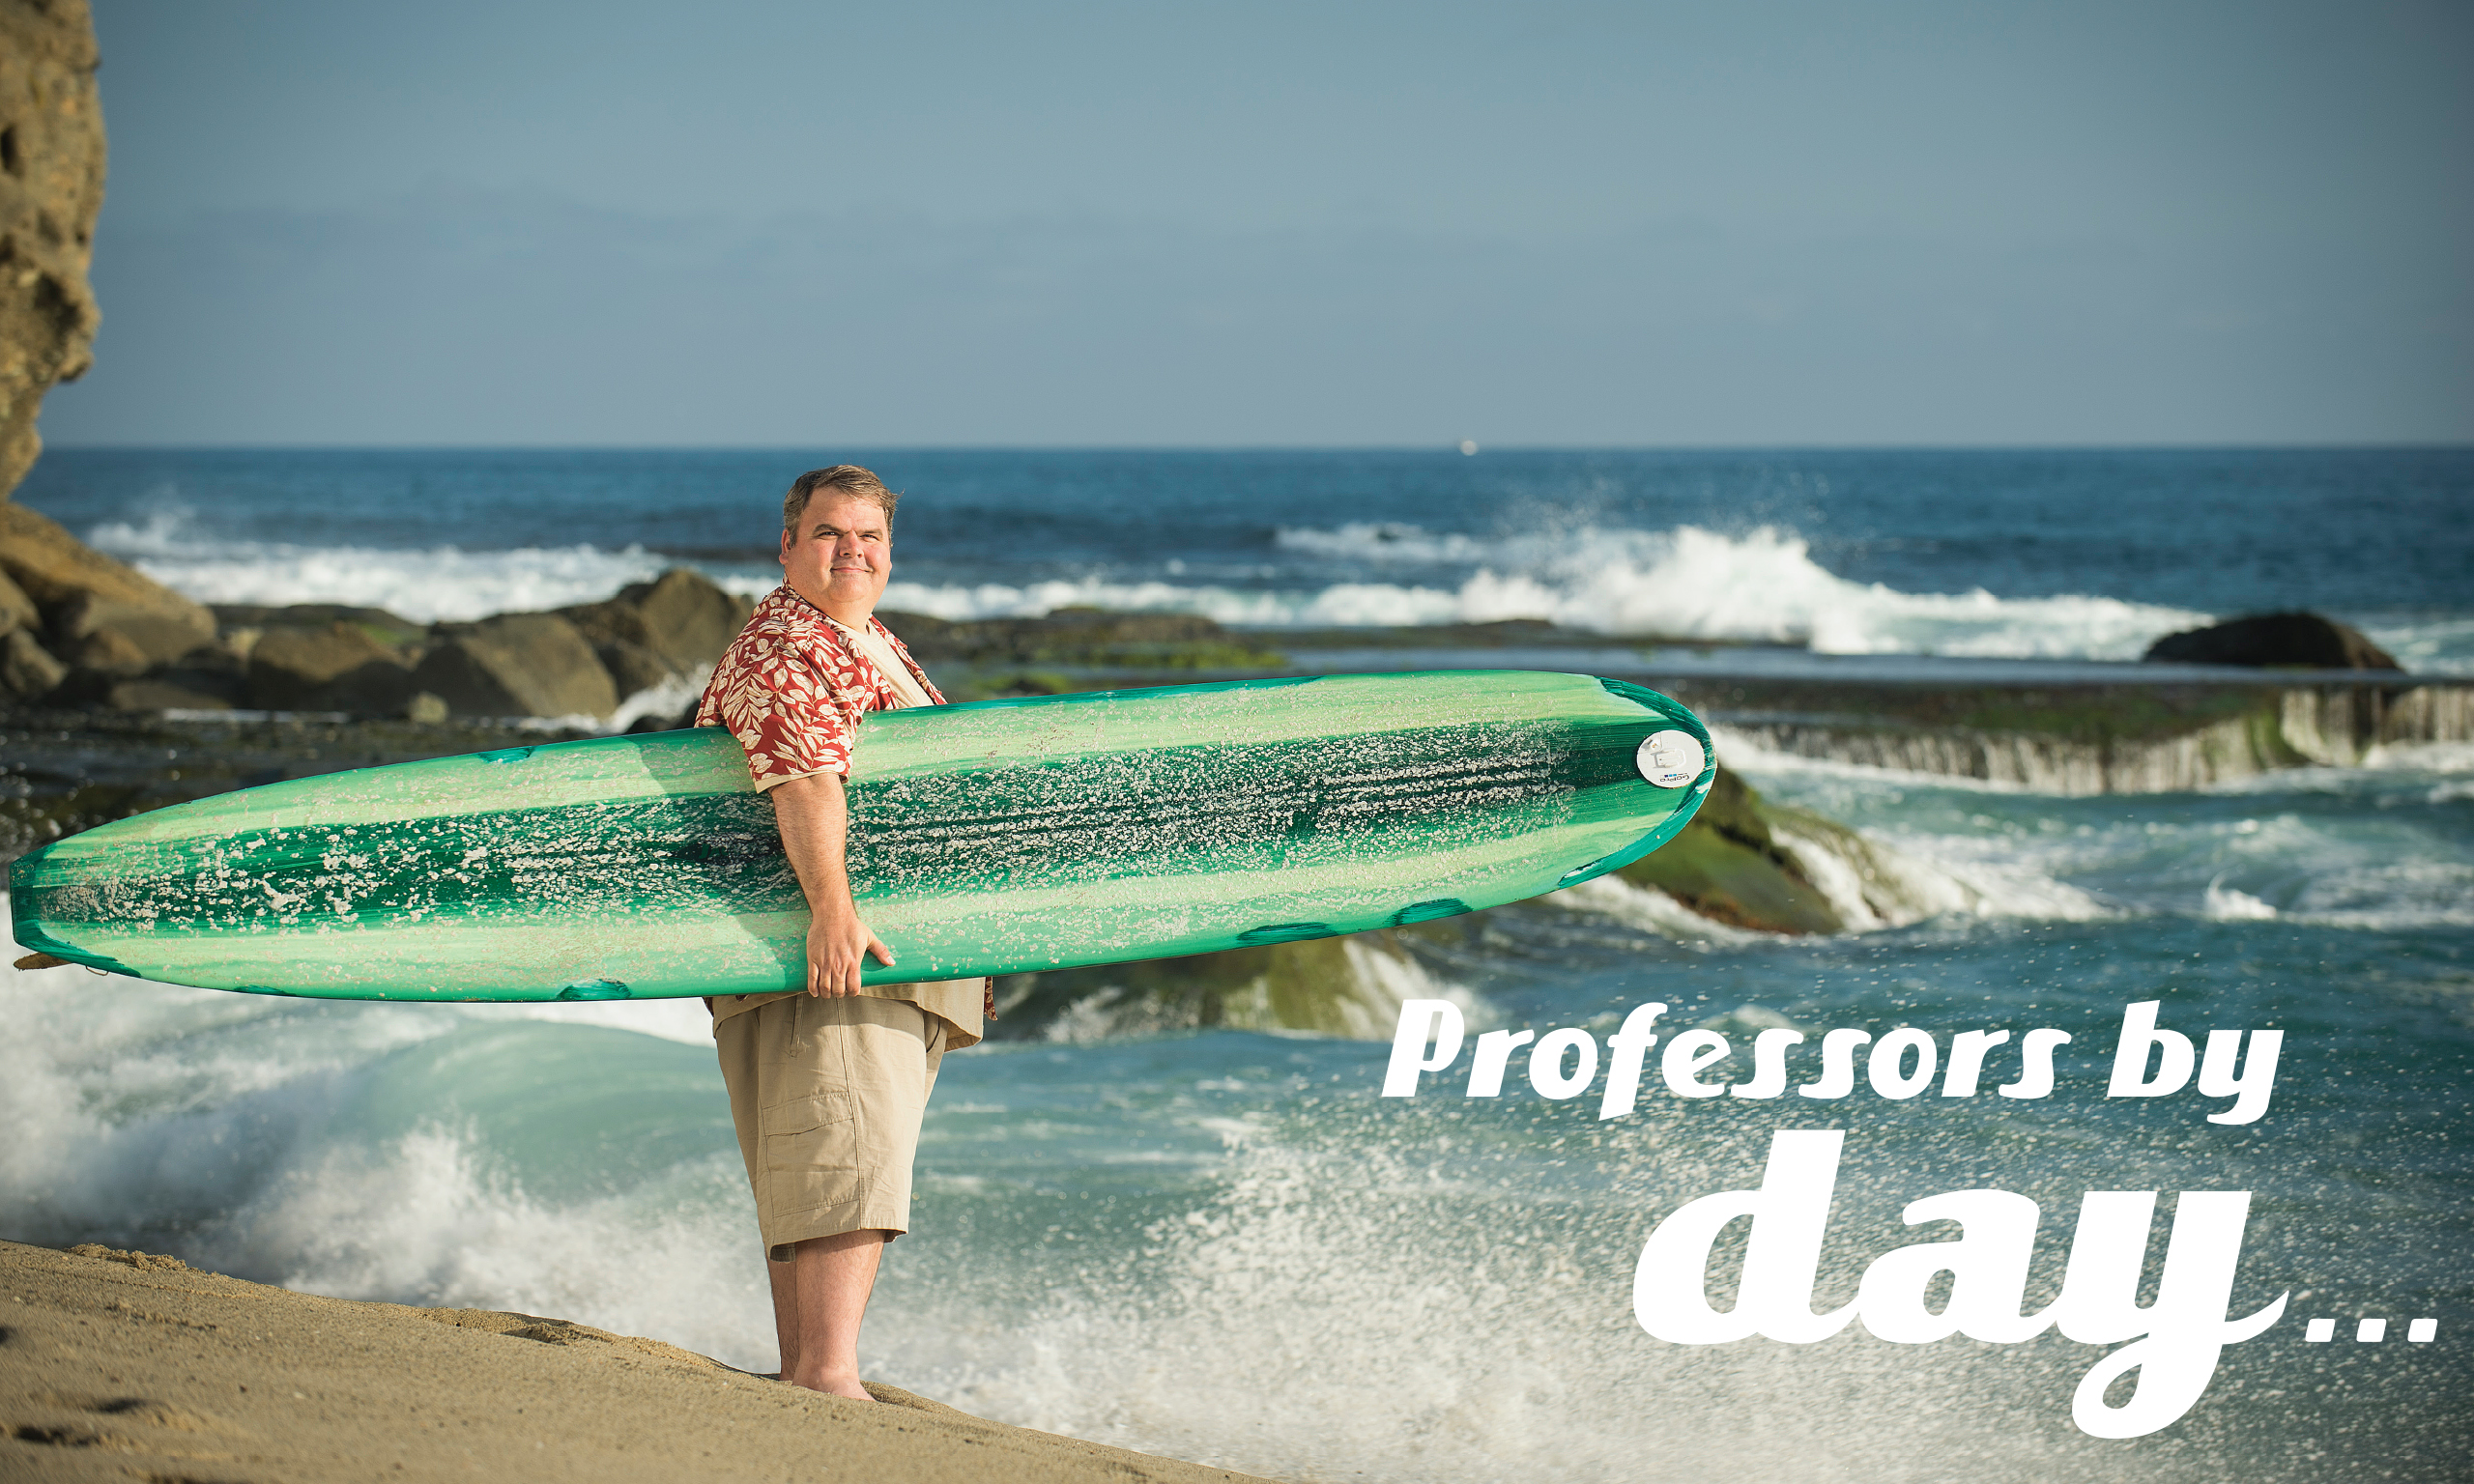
(516, 665)
(676, 624)
(336, 666)
(2297, 639)
(51, 185)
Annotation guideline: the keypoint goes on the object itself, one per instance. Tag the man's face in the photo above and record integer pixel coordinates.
(840, 553)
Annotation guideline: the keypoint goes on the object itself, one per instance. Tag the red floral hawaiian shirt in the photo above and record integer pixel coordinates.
(791, 688)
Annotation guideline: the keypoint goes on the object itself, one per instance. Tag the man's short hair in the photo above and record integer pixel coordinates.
(847, 479)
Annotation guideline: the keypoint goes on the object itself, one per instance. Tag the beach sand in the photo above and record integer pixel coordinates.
(120, 1365)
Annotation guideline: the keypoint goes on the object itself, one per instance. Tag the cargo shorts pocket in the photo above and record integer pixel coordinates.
(812, 1153)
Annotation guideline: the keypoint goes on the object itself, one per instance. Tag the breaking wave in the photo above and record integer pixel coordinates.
(1685, 583)
(427, 585)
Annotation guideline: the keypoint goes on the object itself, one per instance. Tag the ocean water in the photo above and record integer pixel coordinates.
(1225, 1245)
(1993, 553)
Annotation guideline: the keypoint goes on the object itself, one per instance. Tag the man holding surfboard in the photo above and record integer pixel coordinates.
(828, 1085)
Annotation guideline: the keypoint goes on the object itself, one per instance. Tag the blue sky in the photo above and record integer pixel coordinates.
(1904, 224)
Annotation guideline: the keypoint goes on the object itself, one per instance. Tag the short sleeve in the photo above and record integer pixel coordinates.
(784, 712)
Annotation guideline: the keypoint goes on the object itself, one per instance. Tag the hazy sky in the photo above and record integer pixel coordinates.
(586, 221)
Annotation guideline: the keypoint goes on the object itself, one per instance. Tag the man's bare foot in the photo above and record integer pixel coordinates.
(843, 1384)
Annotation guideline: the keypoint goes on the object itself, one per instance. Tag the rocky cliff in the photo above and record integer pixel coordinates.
(52, 184)
(64, 611)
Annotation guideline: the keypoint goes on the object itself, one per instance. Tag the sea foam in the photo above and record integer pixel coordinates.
(425, 585)
(1684, 581)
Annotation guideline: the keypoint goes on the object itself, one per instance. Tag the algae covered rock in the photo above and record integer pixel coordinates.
(1348, 987)
(391, 631)
(1749, 862)
(1727, 866)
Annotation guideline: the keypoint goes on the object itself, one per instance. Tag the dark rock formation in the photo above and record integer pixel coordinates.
(2297, 639)
(103, 635)
(674, 625)
(336, 668)
(52, 184)
(516, 665)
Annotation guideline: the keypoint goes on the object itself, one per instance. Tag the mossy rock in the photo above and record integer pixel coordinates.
(1750, 861)
(1332, 986)
(1728, 867)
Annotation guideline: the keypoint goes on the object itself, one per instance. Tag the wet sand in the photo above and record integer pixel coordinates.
(118, 1365)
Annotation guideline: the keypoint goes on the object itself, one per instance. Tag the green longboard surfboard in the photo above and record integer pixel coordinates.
(994, 838)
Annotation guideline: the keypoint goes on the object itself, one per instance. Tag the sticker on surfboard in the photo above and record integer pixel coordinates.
(1670, 760)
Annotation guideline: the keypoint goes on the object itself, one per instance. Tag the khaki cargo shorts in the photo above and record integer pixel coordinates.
(828, 1096)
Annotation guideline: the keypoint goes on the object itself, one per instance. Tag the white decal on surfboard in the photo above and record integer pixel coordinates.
(1671, 758)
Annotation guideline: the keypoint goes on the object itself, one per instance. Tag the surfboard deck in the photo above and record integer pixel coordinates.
(991, 837)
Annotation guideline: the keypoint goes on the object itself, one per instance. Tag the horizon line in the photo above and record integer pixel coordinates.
(1454, 447)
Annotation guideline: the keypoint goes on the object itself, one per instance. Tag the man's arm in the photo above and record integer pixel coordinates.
(814, 820)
